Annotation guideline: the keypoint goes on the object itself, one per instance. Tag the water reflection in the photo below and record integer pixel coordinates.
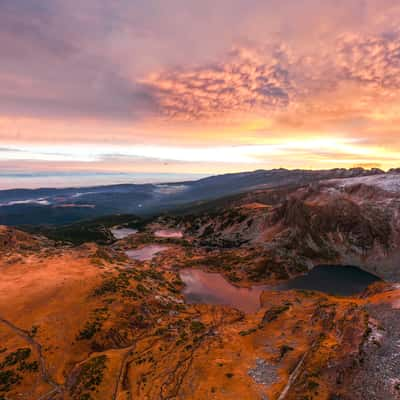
(333, 279)
(121, 233)
(145, 253)
(212, 288)
(168, 233)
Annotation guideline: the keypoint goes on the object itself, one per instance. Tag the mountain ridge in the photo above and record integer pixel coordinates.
(60, 206)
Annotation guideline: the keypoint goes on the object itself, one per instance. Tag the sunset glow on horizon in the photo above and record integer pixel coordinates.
(201, 87)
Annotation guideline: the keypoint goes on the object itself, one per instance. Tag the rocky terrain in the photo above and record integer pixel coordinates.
(65, 206)
(351, 221)
(83, 321)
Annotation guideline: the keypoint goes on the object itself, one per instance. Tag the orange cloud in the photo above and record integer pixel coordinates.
(244, 83)
(355, 77)
(373, 60)
(319, 79)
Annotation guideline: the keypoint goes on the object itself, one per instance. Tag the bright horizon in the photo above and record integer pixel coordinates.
(193, 89)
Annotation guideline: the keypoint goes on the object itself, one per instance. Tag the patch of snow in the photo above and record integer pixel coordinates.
(387, 182)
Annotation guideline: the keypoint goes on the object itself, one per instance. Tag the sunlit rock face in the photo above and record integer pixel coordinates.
(352, 221)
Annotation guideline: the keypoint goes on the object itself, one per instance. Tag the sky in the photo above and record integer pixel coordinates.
(198, 87)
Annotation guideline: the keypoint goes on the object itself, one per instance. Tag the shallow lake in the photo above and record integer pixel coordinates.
(212, 288)
(168, 233)
(333, 279)
(145, 253)
(121, 233)
(203, 287)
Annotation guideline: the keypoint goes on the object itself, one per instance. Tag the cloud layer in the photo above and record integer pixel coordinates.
(209, 75)
(243, 83)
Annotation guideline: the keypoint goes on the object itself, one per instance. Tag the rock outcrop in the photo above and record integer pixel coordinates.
(352, 221)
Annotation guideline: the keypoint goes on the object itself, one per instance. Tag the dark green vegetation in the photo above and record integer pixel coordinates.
(247, 332)
(8, 378)
(274, 312)
(96, 230)
(89, 330)
(197, 327)
(11, 365)
(284, 349)
(70, 205)
(128, 286)
(90, 377)
(113, 284)
(133, 283)
(29, 214)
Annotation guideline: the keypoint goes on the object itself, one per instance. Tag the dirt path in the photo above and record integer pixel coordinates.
(45, 374)
(121, 373)
(296, 372)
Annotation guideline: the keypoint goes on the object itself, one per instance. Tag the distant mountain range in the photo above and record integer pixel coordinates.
(62, 206)
(160, 307)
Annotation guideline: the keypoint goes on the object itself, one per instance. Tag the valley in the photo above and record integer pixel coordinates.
(200, 200)
(228, 301)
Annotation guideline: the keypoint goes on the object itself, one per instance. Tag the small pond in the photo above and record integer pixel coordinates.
(168, 233)
(333, 279)
(212, 288)
(121, 233)
(146, 253)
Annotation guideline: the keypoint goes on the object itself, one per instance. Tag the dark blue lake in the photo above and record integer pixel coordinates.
(203, 287)
(333, 279)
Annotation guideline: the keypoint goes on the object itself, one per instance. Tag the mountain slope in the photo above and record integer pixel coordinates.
(64, 206)
(347, 221)
(88, 323)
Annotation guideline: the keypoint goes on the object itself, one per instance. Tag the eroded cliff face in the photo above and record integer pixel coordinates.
(350, 221)
(89, 323)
